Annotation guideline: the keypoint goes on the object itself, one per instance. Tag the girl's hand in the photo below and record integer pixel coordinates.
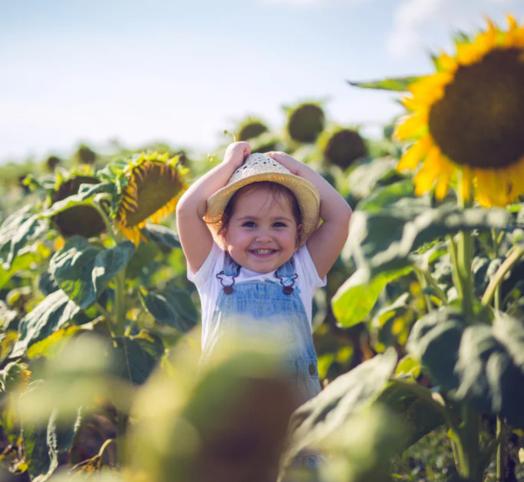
(236, 153)
(296, 167)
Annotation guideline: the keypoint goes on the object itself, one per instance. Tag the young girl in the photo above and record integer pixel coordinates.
(260, 232)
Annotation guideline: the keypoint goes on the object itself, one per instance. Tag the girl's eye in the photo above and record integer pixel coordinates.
(248, 224)
(279, 224)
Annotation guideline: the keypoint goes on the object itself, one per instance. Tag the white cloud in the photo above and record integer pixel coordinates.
(422, 24)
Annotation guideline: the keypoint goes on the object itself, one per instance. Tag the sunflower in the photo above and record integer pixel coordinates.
(77, 220)
(466, 119)
(305, 122)
(154, 183)
(341, 146)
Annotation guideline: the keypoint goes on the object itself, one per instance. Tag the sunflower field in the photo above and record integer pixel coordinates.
(419, 331)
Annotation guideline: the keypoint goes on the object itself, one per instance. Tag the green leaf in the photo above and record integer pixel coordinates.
(386, 240)
(135, 358)
(163, 236)
(7, 316)
(396, 84)
(355, 299)
(408, 367)
(83, 270)
(435, 341)
(47, 446)
(16, 232)
(478, 363)
(48, 316)
(36, 451)
(321, 416)
(7, 341)
(60, 438)
(86, 191)
(412, 405)
(385, 196)
(364, 178)
(172, 306)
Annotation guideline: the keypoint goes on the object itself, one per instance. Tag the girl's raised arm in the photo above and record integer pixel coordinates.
(325, 244)
(194, 234)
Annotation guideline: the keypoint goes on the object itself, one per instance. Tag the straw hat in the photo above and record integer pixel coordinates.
(258, 168)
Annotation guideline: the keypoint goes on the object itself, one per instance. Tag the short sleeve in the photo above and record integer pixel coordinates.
(308, 268)
(208, 268)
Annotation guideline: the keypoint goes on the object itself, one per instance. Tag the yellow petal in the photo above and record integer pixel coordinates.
(429, 173)
(411, 126)
(414, 154)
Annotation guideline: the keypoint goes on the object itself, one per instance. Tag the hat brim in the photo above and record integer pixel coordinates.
(306, 193)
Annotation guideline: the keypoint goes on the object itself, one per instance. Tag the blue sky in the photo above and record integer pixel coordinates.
(139, 71)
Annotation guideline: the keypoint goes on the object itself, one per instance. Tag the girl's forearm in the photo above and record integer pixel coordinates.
(195, 198)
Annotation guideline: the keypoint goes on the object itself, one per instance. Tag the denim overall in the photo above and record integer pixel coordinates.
(264, 307)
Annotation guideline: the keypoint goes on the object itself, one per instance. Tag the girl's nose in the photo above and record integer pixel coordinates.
(263, 236)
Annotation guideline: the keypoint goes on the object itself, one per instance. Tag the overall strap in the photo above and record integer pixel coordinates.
(287, 275)
(228, 274)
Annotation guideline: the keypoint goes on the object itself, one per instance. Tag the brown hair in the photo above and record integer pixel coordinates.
(275, 189)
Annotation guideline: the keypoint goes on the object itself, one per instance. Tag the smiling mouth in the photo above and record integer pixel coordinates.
(263, 252)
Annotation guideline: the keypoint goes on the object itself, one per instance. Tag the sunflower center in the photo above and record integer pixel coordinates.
(479, 121)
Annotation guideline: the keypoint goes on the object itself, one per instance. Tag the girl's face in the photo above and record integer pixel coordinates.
(262, 232)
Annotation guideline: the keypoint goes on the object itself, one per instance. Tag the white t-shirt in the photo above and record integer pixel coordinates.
(209, 286)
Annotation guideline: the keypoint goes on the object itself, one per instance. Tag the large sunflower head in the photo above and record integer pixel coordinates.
(153, 184)
(467, 118)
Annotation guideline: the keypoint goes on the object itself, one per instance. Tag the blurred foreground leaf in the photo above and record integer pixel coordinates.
(223, 421)
(320, 417)
(362, 447)
(80, 374)
(413, 406)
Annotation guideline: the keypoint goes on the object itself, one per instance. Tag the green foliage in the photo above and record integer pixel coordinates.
(89, 324)
(475, 362)
(320, 418)
(396, 84)
(172, 306)
(83, 270)
(16, 232)
(414, 407)
(356, 298)
(387, 240)
(48, 316)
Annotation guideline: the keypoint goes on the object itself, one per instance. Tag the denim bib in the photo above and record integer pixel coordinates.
(263, 308)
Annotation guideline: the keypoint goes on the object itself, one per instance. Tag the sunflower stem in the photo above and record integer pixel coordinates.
(466, 435)
(424, 285)
(120, 302)
(107, 221)
(464, 270)
(502, 450)
(452, 246)
(514, 255)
